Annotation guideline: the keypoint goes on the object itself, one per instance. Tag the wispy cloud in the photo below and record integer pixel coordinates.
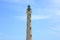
(34, 17)
(39, 17)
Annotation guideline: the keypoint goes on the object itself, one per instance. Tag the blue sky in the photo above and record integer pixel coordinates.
(45, 19)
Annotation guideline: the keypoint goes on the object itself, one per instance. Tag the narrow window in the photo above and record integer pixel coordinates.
(30, 28)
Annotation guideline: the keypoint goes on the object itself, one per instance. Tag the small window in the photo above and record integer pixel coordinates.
(30, 14)
(30, 28)
(30, 20)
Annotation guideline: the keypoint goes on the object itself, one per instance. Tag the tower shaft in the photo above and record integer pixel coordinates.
(29, 27)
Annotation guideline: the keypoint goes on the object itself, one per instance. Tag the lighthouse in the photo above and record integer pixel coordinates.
(29, 26)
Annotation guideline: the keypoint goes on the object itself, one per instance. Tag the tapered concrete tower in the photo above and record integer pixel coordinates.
(29, 27)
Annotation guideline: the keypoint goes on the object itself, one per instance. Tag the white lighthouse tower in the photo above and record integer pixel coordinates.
(29, 26)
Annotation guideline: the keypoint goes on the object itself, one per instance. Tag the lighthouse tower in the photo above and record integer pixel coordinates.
(29, 27)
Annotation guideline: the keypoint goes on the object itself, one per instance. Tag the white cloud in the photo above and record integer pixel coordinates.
(39, 17)
(34, 17)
